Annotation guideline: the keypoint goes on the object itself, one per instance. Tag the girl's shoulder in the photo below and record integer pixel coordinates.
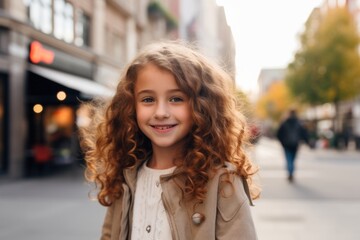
(226, 173)
(230, 182)
(227, 168)
(227, 188)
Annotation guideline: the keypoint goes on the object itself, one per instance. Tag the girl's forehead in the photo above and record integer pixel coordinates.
(153, 77)
(152, 67)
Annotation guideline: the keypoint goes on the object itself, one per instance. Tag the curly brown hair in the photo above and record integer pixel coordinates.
(219, 133)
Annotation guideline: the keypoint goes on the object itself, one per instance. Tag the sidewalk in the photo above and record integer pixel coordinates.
(307, 219)
(49, 208)
(324, 202)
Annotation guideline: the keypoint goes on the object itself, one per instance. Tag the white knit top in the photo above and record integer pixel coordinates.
(150, 220)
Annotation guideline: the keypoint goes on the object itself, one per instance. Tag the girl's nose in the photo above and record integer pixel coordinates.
(162, 111)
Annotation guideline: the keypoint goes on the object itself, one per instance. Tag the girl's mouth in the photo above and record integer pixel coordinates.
(163, 127)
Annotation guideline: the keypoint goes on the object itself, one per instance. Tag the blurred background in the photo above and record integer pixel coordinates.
(304, 55)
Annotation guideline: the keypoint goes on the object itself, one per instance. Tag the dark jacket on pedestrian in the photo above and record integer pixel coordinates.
(291, 133)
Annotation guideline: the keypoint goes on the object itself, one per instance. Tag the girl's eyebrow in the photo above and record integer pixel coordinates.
(147, 91)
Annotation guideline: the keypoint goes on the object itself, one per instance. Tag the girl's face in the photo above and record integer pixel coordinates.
(162, 110)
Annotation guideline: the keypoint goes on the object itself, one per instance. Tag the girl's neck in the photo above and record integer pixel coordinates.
(162, 158)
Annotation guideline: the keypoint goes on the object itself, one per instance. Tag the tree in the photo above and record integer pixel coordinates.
(274, 103)
(243, 103)
(326, 69)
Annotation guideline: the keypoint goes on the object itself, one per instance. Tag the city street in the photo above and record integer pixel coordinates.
(322, 204)
(49, 208)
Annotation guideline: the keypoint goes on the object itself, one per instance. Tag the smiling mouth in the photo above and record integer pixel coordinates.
(163, 127)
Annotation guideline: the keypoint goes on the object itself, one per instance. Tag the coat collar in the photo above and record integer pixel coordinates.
(131, 173)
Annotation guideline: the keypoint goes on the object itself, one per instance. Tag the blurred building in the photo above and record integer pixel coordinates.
(203, 23)
(267, 77)
(55, 54)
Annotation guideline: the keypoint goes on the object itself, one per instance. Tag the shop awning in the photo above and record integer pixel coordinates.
(83, 85)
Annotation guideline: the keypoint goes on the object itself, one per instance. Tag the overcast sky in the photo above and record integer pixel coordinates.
(265, 33)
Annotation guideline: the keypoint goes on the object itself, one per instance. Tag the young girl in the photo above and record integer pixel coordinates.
(168, 153)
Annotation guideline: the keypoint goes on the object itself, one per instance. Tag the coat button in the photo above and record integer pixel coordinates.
(198, 218)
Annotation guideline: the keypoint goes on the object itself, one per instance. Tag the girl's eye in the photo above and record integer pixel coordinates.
(147, 99)
(176, 99)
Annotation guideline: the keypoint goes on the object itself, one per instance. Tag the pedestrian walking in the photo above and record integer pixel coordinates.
(167, 155)
(290, 134)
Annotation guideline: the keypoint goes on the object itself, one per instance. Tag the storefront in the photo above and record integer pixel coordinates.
(43, 80)
(56, 83)
(3, 123)
(3, 101)
(41, 89)
(50, 113)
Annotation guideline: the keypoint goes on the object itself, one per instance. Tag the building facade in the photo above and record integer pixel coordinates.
(55, 54)
(204, 23)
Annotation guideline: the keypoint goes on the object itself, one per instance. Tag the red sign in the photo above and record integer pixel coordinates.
(39, 54)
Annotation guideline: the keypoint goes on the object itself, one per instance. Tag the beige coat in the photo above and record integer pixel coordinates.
(226, 210)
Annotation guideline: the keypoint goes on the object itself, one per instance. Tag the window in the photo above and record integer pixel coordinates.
(4, 41)
(57, 17)
(82, 29)
(40, 12)
(64, 21)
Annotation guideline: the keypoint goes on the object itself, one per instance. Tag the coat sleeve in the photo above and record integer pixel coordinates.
(279, 133)
(116, 224)
(234, 220)
(107, 225)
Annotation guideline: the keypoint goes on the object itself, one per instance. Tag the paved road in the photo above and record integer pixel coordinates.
(323, 203)
(49, 208)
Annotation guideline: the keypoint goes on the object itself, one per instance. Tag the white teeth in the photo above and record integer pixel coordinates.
(163, 127)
